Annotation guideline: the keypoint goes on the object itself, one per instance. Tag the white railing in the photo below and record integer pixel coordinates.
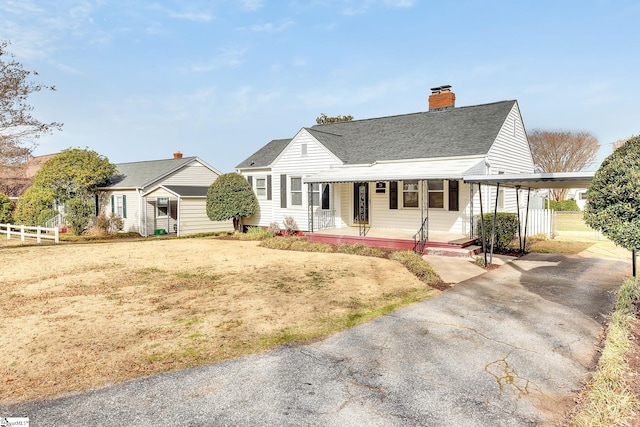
(28, 232)
(56, 221)
(324, 220)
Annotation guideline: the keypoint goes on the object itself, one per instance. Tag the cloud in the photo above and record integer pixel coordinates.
(400, 3)
(271, 28)
(251, 5)
(226, 58)
(192, 16)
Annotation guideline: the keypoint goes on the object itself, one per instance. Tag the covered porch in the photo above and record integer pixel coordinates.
(420, 205)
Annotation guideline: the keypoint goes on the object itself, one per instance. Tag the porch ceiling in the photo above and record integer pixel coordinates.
(449, 168)
(535, 180)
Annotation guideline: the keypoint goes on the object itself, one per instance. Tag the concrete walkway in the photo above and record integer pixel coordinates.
(510, 347)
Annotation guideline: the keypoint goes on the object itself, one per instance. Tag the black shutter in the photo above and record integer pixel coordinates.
(96, 205)
(250, 180)
(113, 203)
(454, 195)
(283, 191)
(393, 195)
(124, 206)
(268, 187)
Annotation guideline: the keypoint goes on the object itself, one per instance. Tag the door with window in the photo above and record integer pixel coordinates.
(361, 202)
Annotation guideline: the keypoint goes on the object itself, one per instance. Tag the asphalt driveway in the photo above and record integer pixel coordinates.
(508, 348)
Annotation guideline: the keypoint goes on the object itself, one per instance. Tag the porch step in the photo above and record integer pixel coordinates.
(465, 252)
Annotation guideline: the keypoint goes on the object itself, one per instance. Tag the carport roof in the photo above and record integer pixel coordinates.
(535, 180)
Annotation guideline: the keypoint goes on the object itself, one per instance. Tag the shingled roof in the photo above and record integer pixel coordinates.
(266, 155)
(141, 174)
(452, 132)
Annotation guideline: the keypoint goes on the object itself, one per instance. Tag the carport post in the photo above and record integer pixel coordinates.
(484, 246)
(495, 214)
(526, 219)
(518, 211)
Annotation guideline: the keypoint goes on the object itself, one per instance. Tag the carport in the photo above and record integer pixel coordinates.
(535, 181)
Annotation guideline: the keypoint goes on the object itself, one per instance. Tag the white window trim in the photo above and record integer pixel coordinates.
(119, 205)
(445, 194)
(158, 215)
(256, 187)
(292, 192)
(403, 191)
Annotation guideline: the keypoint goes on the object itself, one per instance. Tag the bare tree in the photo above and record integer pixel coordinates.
(18, 128)
(555, 151)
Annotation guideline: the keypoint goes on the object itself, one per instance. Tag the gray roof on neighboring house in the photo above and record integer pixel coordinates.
(141, 174)
(461, 131)
(188, 190)
(266, 155)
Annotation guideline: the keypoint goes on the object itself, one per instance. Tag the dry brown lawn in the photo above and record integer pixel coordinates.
(79, 316)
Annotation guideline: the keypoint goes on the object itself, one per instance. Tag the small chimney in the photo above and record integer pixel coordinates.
(441, 98)
(177, 155)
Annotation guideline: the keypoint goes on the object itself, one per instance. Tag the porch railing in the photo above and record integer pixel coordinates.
(323, 220)
(420, 238)
(54, 222)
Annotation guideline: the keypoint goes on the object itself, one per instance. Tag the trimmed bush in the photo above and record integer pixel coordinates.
(418, 266)
(506, 229)
(563, 205)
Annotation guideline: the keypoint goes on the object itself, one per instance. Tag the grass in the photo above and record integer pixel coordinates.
(608, 399)
(571, 221)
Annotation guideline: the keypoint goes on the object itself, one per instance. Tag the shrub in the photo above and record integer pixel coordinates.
(274, 228)
(6, 209)
(290, 226)
(256, 233)
(360, 249)
(231, 197)
(109, 224)
(418, 266)
(563, 205)
(79, 212)
(506, 229)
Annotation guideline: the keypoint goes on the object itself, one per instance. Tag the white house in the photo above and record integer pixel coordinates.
(400, 175)
(162, 196)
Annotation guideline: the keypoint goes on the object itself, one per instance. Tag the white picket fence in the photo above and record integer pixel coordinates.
(27, 232)
(539, 221)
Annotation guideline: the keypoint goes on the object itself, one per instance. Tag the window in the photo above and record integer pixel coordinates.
(119, 205)
(501, 199)
(296, 191)
(303, 150)
(162, 204)
(436, 193)
(410, 194)
(315, 194)
(261, 188)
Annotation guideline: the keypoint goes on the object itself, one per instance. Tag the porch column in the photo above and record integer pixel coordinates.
(310, 207)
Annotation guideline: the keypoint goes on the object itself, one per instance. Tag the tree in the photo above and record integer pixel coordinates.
(6, 209)
(555, 151)
(74, 172)
(18, 128)
(613, 198)
(323, 119)
(231, 197)
(78, 213)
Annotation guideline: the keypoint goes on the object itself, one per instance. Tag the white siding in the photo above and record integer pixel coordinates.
(132, 220)
(194, 219)
(293, 163)
(264, 217)
(510, 153)
(194, 173)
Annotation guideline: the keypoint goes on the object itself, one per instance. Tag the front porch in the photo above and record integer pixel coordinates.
(438, 243)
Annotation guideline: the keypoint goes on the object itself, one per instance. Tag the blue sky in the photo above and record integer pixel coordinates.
(138, 80)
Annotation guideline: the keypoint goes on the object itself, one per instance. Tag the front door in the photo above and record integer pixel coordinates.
(361, 203)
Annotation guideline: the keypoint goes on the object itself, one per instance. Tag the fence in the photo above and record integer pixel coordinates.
(28, 232)
(539, 221)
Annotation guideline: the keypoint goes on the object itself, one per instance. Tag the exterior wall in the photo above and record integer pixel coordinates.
(192, 174)
(193, 218)
(152, 222)
(132, 221)
(510, 153)
(265, 216)
(293, 163)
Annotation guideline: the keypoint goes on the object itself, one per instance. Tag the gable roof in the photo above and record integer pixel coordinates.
(453, 132)
(141, 174)
(266, 155)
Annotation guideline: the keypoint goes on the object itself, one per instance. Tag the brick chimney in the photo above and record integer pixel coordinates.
(177, 155)
(441, 98)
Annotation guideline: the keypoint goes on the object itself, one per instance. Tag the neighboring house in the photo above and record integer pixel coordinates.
(15, 180)
(392, 173)
(580, 196)
(162, 196)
